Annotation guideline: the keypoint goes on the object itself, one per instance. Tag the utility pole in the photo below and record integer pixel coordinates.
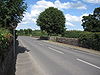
(14, 41)
(14, 27)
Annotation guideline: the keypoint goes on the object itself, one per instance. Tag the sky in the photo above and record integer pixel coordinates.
(72, 9)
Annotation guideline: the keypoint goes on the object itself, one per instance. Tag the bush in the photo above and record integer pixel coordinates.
(5, 40)
(25, 32)
(38, 33)
(86, 39)
(90, 40)
(75, 34)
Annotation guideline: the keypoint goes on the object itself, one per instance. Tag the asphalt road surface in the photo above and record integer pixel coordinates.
(56, 59)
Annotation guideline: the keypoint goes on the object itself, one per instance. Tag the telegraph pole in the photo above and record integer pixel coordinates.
(14, 41)
(14, 27)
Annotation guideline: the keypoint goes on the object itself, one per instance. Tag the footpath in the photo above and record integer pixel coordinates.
(24, 63)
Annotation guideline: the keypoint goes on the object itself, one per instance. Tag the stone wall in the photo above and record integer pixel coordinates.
(7, 62)
(71, 41)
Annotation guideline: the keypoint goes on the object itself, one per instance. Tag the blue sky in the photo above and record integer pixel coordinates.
(72, 9)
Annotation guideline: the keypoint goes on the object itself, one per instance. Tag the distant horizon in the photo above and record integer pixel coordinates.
(72, 9)
(40, 29)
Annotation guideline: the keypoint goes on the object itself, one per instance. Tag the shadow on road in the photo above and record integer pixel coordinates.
(18, 50)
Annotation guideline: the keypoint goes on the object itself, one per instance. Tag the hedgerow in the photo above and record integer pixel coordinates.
(75, 34)
(26, 32)
(90, 40)
(86, 39)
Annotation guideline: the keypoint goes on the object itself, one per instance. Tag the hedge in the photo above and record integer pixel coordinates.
(90, 40)
(24, 32)
(75, 34)
(5, 40)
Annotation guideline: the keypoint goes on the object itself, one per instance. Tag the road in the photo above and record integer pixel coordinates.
(54, 59)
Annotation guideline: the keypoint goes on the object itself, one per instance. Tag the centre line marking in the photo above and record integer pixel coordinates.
(88, 63)
(55, 50)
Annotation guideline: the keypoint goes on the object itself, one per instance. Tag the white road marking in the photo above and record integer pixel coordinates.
(55, 50)
(88, 63)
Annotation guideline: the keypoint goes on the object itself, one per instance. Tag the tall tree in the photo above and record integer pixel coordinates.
(11, 12)
(52, 21)
(92, 22)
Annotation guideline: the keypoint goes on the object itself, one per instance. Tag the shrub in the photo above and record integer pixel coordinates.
(22, 32)
(38, 33)
(5, 40)
(90, 40)
(75, 34)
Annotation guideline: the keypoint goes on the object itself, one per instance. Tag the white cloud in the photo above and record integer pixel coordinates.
(69, 24)
(68, 5)
(74, 0)
(77, 5)
(41, 5)
(93, 1)
(71, 20)
(60, 5)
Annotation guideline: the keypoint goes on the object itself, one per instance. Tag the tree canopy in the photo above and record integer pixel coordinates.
(92, 21)
(52, 21)
(11, 12)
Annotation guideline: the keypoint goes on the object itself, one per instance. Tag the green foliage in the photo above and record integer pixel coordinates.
(29, 32)
(24, 32)
(11, 12)
(86, 39)
(5, 40)
(96, 13)
(52, 21)
(38, 33)
(90, 40)
(92, 22)
(75, 34)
